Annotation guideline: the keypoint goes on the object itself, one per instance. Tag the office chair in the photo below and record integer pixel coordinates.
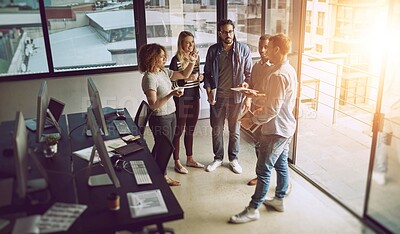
(142, 116)
(162, 152)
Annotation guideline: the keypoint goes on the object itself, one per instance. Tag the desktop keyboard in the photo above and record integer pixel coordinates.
(140, 172)
(122, 127)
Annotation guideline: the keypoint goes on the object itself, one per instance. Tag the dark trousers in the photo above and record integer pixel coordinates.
(187, 114)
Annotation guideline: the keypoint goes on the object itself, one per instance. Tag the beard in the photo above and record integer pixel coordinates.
(228, 40)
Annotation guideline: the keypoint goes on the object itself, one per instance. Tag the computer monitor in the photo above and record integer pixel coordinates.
(20, 149)
(43, 112)
(95, 104)
(100, 149)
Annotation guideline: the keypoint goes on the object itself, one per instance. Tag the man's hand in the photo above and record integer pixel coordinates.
(245, 85)
(247, 103)
(210, 97)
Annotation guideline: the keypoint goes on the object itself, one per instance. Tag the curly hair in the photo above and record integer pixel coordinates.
(179, 52)
(148, 57)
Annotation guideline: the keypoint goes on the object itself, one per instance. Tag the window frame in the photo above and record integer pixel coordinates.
(141, 39)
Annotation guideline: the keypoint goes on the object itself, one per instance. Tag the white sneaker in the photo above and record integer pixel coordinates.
(379, 177)
(249, 214)
(235, 166)
(214, 165)
(276, 203)
(289, 189)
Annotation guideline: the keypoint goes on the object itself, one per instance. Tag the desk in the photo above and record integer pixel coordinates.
(68, 181)
(59, 169)
(97, 218)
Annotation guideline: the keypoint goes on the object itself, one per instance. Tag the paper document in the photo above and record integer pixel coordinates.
(114, 143)
(58, 217)
(146, 203)
(110, 146)
(86, 152)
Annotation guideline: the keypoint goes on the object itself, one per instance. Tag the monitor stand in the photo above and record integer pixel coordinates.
(97, 180)
(55, 123)
(36, 185)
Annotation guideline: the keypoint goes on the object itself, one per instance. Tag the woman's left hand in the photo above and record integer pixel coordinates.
(201, 77)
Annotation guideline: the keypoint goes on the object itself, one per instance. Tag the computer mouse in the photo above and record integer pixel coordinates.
(8, 152)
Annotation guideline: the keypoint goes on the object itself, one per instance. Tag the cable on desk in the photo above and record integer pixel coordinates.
(80, 125)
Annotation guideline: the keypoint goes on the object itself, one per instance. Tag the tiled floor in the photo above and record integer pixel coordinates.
(210, 198)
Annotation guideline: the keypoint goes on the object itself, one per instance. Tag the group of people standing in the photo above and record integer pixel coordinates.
(228, 64)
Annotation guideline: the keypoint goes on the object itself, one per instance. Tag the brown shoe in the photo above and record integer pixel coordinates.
(194, 164)
(172, 182)
(181, 170)
(252, 182)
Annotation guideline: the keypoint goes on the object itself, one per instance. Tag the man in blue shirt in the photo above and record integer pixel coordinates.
(228, 64)
(278, 125)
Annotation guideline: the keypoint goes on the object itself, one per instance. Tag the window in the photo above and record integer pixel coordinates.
(21, 40)
(247, 19)
(320, 25)
(318, 48)
(165, 21)
(308, 21)
(91, 35)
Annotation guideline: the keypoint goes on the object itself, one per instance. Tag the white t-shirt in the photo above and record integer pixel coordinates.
(161, 83)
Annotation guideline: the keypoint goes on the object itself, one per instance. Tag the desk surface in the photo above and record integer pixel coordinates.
(59, 170)
(97, 217)
(68, 180)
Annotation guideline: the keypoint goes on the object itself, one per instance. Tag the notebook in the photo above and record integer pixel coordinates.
(128, 149)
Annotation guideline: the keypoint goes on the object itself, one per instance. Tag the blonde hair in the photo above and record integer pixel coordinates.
(179, 53)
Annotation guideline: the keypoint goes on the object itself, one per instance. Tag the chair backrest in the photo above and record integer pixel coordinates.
(162, 152)
(142, 116)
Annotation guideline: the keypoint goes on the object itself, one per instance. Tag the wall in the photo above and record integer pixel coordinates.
(116, 90)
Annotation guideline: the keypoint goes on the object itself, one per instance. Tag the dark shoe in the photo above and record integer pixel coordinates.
(252, 182)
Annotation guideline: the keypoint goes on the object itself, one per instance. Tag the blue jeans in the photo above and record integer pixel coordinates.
(382, 152)
(272, 153)
(225, 108)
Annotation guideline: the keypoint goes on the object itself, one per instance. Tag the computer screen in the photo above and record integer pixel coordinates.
(20, 149)
(99, 147)
(43, 112)
(95, 104)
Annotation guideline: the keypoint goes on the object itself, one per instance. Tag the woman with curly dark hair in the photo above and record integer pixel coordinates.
(157, 86)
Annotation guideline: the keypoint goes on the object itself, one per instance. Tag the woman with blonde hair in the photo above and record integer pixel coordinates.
(187, 105)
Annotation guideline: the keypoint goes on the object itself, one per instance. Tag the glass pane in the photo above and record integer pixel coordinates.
(22, 48)
(384, 199)
(247, 18)
(91, 35)
(166, 19)
(339, 87)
